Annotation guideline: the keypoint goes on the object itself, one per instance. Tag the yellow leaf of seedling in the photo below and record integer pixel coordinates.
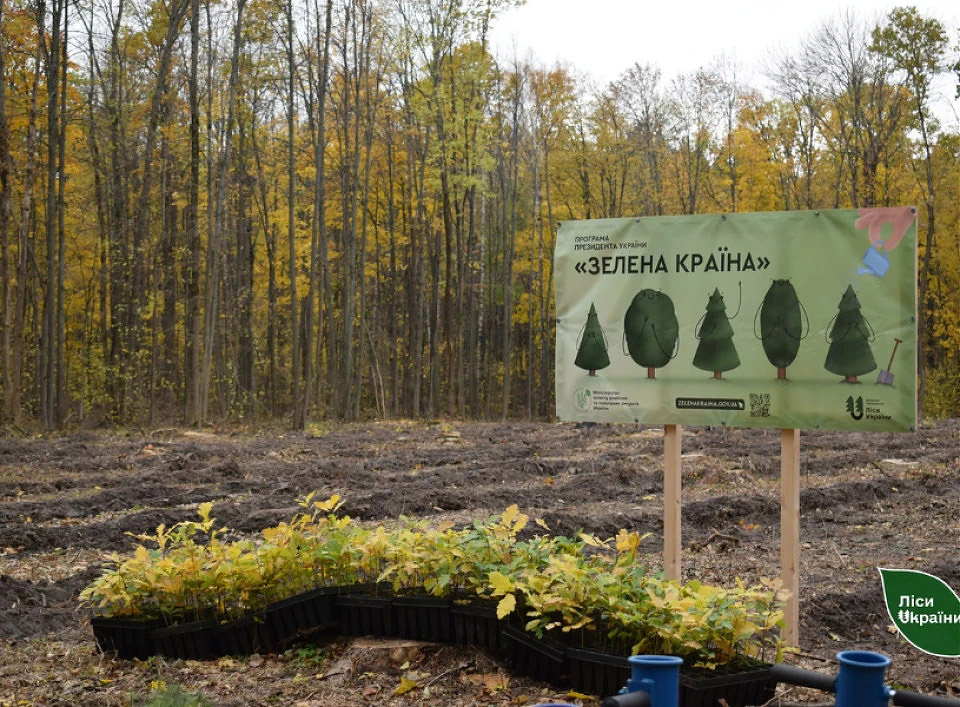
(501, 583)
(330, 504)
(506, 606)
(589, 539)
(626, 541)
(542, 523)
(204, 510)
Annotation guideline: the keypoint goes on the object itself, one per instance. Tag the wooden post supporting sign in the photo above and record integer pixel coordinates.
(790, 531)
(672, 437)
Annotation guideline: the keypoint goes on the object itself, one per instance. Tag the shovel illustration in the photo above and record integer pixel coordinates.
(886, 377)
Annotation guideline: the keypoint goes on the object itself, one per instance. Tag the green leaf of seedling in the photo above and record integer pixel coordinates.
(925, 610)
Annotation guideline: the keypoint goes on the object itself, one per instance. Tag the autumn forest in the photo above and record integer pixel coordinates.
(295, 210)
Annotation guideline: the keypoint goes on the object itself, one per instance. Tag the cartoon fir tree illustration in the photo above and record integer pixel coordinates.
(850, 354)
(592, 352)
(716, 351)
(651, 330)
(781, 328)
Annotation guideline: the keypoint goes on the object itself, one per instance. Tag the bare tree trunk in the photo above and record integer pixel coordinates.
(169, 247)
(510, 197)
(6, 289)
(296, 393)
(244, 278)
(103, 236)
(118, 255)
(924, 325)
(548, 342)
(192, 316)
(270, 241)
(318, 233)
(213, 259)
(393, 328)
(416, 287)
(60, 411)
(141, 228)
(48, 368)
(12, 393)
(325, 328)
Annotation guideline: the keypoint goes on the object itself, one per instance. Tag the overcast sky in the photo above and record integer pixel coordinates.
(604, 37)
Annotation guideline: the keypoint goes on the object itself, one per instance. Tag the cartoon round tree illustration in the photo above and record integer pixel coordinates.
(650, 329)
(716, 351)
(781, 327)
(850, 336)
(592, 351)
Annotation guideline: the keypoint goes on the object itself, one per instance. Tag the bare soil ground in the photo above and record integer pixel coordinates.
(868, 500)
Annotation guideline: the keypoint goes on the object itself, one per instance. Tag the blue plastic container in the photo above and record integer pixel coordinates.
(658, 676)
(860, 681)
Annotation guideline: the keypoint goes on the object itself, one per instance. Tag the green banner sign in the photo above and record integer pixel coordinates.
(789, 320)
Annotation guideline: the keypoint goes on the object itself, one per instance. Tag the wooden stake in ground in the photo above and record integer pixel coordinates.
(672, 437)
(790, 530)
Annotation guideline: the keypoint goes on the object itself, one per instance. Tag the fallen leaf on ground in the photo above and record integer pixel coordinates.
(494, 682)
(406, 684)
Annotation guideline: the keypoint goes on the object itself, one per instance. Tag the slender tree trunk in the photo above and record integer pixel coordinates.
(923, 288)
(213, 259)
(325, 328)
(270, 241)
(6, 274)
(141, 227)
(296, 393)
(318, 234)
(548, 332)
(192, 316)
(103, 236)
(272, 314)
(393, 326)
(12, 393)
(212, 253)
(118, 256)
(169, 247)
(509, 235)
(60, 411)
(417, 286)
(246, 346)
(48, 370)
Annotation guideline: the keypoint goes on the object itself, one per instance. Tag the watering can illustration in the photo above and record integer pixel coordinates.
(875, 260)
